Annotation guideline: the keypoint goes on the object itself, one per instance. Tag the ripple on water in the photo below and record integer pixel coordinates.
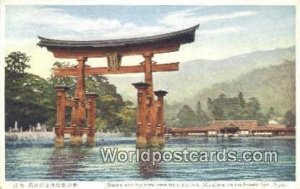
(38, 160)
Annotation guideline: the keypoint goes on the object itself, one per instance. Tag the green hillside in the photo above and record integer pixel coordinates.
(274, 86)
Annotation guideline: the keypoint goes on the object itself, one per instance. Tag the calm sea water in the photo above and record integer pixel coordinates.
(36, 160)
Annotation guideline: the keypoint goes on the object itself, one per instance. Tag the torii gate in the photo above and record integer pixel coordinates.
(150, 119)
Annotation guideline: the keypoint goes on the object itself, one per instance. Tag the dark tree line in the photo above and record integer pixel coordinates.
(229, 108)
(24, 93)
(187, 117)
(234, 108)
(30, 99)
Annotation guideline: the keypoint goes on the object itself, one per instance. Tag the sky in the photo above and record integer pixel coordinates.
(224, 30)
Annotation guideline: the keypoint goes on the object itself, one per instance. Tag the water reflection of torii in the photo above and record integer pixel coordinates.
(150, 130)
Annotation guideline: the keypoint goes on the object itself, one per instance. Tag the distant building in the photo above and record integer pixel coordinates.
(235, 128)
(241, 127)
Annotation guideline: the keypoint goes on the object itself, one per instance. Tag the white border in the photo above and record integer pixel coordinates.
(2, 108)
(297, 91)
(7, 185)
(150, 2)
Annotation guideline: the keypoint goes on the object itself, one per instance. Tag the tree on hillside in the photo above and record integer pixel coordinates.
(290, 119)
(16, 63)
(270, 114)
(128, 117)
(202, 117)
(217, 107)
(24, 93)
(236, 108)
(242, 101)
(254, 111)
(187, 117)
(210, 107)
(226, 108)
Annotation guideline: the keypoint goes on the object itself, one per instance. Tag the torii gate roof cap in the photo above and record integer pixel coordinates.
(45, 42)
(141, 85)
(160, 93)
(178, 37)
(61, 87)
(91, 94)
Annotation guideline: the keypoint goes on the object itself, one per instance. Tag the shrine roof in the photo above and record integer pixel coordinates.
(167, 42)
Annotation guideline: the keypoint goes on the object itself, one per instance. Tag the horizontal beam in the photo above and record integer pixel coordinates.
(70, 103)
(71, 130)
(123, 51)
(122, 70)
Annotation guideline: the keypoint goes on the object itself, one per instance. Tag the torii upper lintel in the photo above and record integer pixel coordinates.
(163, 43)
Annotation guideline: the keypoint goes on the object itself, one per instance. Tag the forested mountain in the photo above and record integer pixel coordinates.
(274, 86)
(271, 90)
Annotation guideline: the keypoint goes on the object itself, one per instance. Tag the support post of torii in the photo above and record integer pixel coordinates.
(141, 132)
(91, 116)
(151, 109)
(152, 139)
(76, 137)
(160, 122)
(60, 114)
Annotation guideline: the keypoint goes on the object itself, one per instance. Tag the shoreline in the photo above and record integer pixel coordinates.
(51, 135)
(236, 137)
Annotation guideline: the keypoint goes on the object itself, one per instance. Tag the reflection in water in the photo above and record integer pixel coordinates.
(36, 160)
(66, 163)
(149, 168)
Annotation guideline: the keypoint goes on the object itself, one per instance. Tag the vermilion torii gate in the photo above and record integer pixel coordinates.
(150, 119)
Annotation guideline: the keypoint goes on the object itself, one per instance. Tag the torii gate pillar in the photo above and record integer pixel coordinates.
(91, 118)
(141, 134)
(152, 140)
(60, 114)
(78, 113)
(160, 123)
